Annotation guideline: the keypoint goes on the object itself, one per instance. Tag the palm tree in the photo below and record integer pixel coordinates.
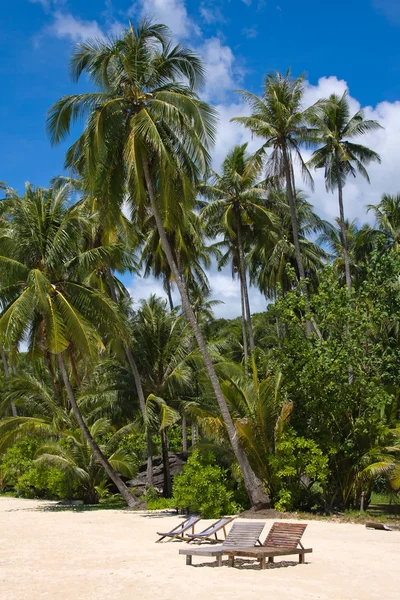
(387, 215)
(148, 122)
(192, 255)
(162, 343)
(359, 245)
(279, 119)
(338, 156)
(274, 249)
(40, 297)
(236, 204)
(75, 457)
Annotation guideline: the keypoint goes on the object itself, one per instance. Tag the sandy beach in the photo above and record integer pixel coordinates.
(112, 554)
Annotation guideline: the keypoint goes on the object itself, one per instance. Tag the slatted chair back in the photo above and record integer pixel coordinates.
(243, 535)
(215, 527)
(285, 535)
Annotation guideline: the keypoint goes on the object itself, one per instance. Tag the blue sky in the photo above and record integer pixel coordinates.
(340, 45)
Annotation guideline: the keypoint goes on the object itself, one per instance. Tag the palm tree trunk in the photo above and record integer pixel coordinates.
(168, 286)
(167, 488)
(293, 213)
(195, 433)
(139, 390)
(253, 485)
(7, 375)
(290, 190)
(244, 333)
(101, 459)
(343, 227)
(184, 434)
(242, 267)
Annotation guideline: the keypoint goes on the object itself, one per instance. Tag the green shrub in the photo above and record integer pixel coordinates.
(203, 487)
(28, 479)
(39, 482)
(300, 471)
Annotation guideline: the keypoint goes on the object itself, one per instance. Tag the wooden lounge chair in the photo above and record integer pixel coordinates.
(179, 530)
(282, 540)
(211, 531)
(242, 534)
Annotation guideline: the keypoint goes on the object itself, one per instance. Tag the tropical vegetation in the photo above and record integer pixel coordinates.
(295, 407)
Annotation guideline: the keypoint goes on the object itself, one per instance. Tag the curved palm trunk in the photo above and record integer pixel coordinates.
(254, 487)
(242, 267)
(139, 390)
(244, 333)
(101, 459)
(342, 227)
(7, 375)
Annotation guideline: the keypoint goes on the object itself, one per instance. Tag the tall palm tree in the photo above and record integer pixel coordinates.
(236, 204)
(192, 255)
(162, 342)
(387, 216)
(147, 120)
(110, 229)
(340, 157)
(274, 249)
(359, 245)
(40, 297)
(280, 121)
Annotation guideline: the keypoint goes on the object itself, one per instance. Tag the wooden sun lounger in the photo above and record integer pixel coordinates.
(211, 531)
(179, 530)
(242, 534)
(282, 540)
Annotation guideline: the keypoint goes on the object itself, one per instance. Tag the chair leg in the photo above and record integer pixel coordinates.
(301, 559)
(219, 560)
(231, 561)
(263, 562)
(189, 559)
(270, 559)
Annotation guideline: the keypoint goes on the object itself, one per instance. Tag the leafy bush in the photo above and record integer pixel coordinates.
(30, 480)
(203, 487)
(40, 482)
(300, 467)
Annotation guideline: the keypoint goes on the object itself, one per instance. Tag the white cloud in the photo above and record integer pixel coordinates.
(170, 12)
(141, 289)
(219, 60)
(223, 288)
(65, 25)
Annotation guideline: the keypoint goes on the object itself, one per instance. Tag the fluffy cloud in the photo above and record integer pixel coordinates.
(223, 287)
(171, 12)
(65, 25)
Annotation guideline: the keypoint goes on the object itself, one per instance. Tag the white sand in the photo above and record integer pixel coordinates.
(100, 555)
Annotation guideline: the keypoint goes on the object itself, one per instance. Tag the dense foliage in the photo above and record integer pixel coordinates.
(297, 406)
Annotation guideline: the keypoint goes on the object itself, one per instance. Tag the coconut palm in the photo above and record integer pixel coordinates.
(359, 245)
(274, 249)
(280, 121)
(236, 204)
(387, 216)
(75, 457)
(40, 298)
(340, 157)
(162, 342)
(192, 255)
(147, 121)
